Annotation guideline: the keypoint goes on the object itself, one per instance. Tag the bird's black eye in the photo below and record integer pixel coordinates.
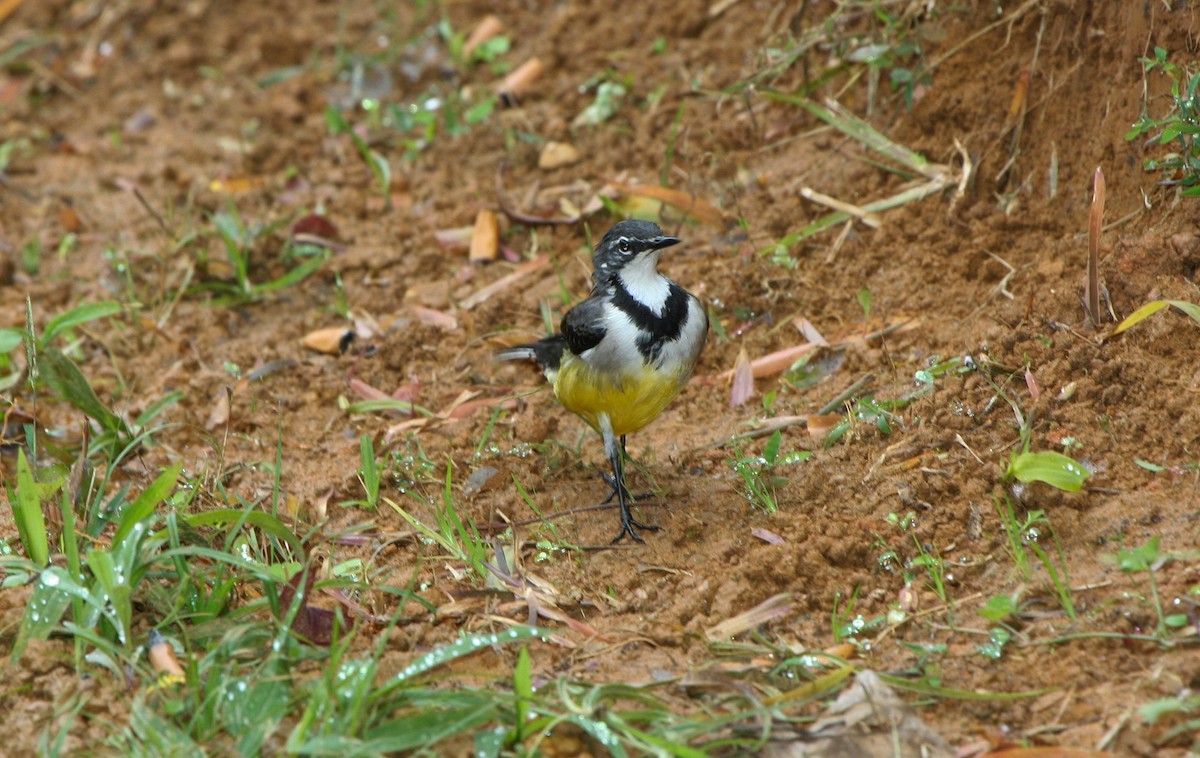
(623, 245)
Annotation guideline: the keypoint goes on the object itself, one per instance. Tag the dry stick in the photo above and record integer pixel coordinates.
(1095, 222)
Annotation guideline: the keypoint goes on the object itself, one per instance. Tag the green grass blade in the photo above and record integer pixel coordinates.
(10, 339)
(79, 315)
(523, 690)
(428, 727)
(146, 502)
(27, 510)
(69, 383)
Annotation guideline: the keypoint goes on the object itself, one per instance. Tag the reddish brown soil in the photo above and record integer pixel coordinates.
(170, 104)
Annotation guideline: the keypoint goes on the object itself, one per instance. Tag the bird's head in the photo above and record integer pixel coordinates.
(626, 243)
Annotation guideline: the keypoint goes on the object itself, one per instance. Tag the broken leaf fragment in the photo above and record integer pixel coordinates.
(332, 341)
(556, 155)
(485, 237)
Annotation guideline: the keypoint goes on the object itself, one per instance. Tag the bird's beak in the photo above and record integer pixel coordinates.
(658, 243)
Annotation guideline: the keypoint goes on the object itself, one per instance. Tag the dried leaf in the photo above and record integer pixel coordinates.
(556, 155)
(742, 388)
(220, 411)
(685, 202)
(485, 237)
(238, 185)
(454, 240)
(162, 656)
(520, 80)
(810, 332)
(466, 409)
(488, 27)
(767, 536)
(776, 362)
(315, 226)
(768, 610)
(313, 624)
(431, 317)
(1032, 384)
(504, 282)
(819, 426)
(331, 341)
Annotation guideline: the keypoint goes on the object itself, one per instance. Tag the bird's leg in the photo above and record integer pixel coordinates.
(615, 458)
(612, 483)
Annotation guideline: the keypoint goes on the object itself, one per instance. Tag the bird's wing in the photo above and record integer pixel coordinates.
(583, 326)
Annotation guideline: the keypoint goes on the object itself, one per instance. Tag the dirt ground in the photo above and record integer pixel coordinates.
(200, 104)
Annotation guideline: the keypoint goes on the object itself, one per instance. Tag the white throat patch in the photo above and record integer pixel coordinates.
(642, 280)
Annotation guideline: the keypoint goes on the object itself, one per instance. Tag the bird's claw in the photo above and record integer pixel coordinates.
(629, 496)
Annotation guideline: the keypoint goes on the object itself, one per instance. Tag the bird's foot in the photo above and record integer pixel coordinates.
(628, 524)
(629, 496)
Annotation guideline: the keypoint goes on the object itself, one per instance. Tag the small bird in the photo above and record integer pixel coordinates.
(623, 354)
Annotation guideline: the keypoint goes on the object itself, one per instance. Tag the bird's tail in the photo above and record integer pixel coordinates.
(547, 352)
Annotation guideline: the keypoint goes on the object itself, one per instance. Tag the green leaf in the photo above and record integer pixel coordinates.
(112, 591)
(69, 383)
(1141, 314)
(998, 608)
(294, 276)
(523, 690)
(1154, 467)
(1191, 310)
(771, 451)
(1139, 558)
(146, 502)
(864, 301)
(427, 728)
(79, 315)
(1156, 709)
(1049, 467)
(27, 510)
(464, 646)
(10, 339)
(50, 599)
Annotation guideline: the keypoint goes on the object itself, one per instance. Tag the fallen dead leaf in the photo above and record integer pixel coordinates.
(683, 201)
(431, 317)
(331, 341)
(485, 237)
(504, 282)
(488, 27)
(520, 80)
(454, 240)
(556, 155)
(742, 387)
(162, 656)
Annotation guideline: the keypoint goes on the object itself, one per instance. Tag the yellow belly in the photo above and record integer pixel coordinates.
(631, 401)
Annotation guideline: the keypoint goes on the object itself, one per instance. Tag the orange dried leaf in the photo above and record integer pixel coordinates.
(776, 362)
(162, 656)
(332, 341)
(556, 155)
(485, 237)
(819, 426)
(521, 79)
(685, 202)
(237, 185)
(488, 27)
